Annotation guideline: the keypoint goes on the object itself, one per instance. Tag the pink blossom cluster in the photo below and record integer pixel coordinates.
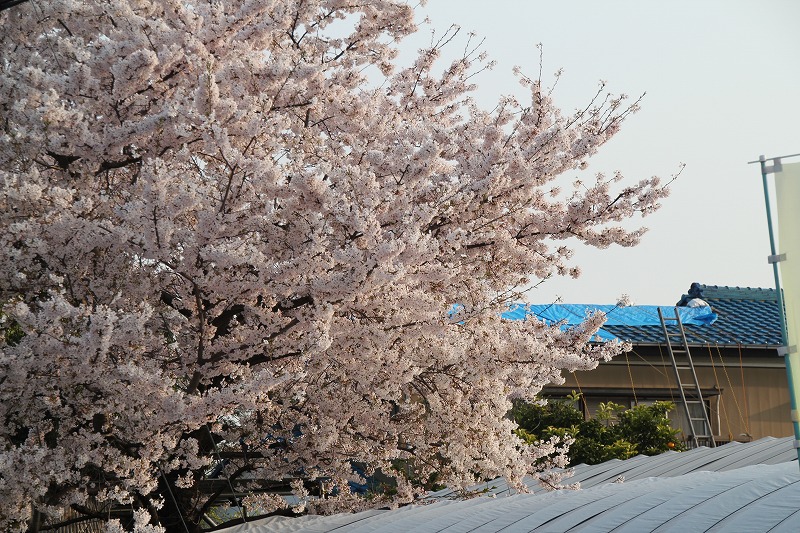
(221, 236)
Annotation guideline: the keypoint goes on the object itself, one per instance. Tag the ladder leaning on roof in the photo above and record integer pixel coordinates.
(686, 378)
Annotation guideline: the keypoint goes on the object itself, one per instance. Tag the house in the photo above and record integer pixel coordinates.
(742, 377)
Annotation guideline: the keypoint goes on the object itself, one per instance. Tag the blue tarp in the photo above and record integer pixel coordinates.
(570, 315)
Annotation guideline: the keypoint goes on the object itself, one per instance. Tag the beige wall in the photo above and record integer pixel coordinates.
(747, 397)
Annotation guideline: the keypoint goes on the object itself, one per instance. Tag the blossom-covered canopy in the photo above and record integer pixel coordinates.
(237, 227)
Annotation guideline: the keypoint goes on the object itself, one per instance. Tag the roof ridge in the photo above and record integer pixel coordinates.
(737, 293)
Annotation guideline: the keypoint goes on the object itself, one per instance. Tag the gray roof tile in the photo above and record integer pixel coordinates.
(746, 316)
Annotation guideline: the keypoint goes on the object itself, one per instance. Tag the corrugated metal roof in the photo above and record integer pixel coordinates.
(755, 498)
(730, 456)
(736, 487)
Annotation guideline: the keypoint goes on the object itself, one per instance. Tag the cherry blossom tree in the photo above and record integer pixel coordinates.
(243, 248)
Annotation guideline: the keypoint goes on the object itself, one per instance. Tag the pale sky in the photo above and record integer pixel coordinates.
(722, 79)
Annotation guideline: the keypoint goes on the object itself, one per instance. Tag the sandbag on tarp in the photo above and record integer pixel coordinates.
(570, 315)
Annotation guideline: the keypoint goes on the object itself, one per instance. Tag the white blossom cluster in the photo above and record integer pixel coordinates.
(219, 236)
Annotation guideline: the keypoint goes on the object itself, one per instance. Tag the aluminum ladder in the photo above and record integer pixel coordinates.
(686, 379)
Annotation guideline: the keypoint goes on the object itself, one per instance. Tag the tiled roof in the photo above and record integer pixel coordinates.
(746, 316)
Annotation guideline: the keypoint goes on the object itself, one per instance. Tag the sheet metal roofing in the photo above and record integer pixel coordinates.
(711, 493)
(731, 456)
(744, 317)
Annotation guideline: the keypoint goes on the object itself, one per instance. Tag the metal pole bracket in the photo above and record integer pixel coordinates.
(786, 350)
(776, 166)
(776, 258)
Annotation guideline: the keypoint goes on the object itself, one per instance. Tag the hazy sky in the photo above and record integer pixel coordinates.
(722, 79)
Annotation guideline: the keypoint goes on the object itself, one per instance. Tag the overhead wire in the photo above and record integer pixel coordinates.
(744, 393)
(583, 398)
(730, 384)
(666, 375)
(716, 380)
(651, 365)
(630, 375)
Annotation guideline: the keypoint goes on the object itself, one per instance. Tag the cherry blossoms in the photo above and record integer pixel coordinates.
(242, 245)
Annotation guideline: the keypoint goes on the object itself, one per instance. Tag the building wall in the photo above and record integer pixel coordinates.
(746, 390)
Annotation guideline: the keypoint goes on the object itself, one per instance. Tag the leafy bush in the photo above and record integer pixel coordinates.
(614, 433)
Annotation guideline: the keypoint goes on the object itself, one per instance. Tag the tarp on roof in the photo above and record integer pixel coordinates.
(570, 315)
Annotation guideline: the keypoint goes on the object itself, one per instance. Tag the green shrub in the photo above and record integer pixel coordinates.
(614, 433)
